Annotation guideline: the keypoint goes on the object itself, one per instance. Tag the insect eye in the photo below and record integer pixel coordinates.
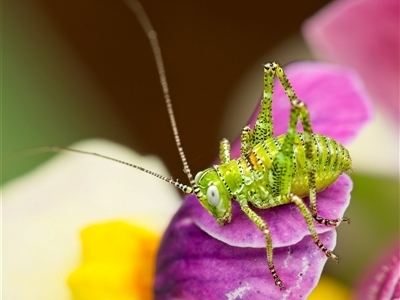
(213, 195)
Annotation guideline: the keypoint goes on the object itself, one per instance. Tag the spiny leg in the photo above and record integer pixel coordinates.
(299, 110)
(262, 225)
(330, 222)
(263, 129)
(224, 151)
(309, 220)
(245, 140)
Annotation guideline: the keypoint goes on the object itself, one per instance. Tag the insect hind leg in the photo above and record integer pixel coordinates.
(246, 140)
(282, 166)
(330, 222)
(263, 128)
(299, 111)
(309, 220)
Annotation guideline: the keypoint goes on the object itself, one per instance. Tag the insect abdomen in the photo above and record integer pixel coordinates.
(247, 176)
(331, 160)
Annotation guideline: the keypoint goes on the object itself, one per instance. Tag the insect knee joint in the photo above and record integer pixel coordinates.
(271, 66)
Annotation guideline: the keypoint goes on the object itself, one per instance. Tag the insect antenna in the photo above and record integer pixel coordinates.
(144, 21)
(32, 151)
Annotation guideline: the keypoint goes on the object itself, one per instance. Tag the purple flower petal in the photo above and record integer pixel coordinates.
(364, 35)
(199, 259)
(285, 222)
(200, 267)
(383, 280)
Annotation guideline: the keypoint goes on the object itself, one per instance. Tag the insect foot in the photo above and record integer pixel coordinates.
(327, 252)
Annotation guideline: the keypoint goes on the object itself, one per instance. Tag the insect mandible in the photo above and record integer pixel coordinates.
(270, 171)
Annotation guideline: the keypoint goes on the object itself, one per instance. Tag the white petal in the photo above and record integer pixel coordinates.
(44, 211)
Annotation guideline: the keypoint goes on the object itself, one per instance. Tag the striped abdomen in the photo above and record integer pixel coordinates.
(331, 159)
(247, 176)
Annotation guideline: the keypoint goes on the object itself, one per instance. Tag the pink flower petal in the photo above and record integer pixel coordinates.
(382, 282)
(191, 265)
(364, 35)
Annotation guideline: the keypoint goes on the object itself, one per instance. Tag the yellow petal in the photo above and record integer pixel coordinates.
(329, 289)
(118, 263)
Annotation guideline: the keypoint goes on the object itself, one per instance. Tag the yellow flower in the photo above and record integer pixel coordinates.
(329, 289)
(118, 263)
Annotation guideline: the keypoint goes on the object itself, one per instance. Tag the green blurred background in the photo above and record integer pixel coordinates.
(73, 70)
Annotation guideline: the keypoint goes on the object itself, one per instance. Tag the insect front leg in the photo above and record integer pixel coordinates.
(299, 110)
(262, 225)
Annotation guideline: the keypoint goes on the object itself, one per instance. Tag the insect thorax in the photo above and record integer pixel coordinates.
(248, 177)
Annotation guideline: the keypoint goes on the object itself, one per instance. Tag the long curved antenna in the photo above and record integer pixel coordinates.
(144, 20)
(185, 188)
(137, 8)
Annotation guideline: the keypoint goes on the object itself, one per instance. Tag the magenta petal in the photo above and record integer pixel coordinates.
(200, 267)
(285, 222)
(364, 35)
(199, 259)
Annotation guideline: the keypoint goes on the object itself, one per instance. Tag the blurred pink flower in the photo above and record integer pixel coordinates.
(382, 282)
(364, 35)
